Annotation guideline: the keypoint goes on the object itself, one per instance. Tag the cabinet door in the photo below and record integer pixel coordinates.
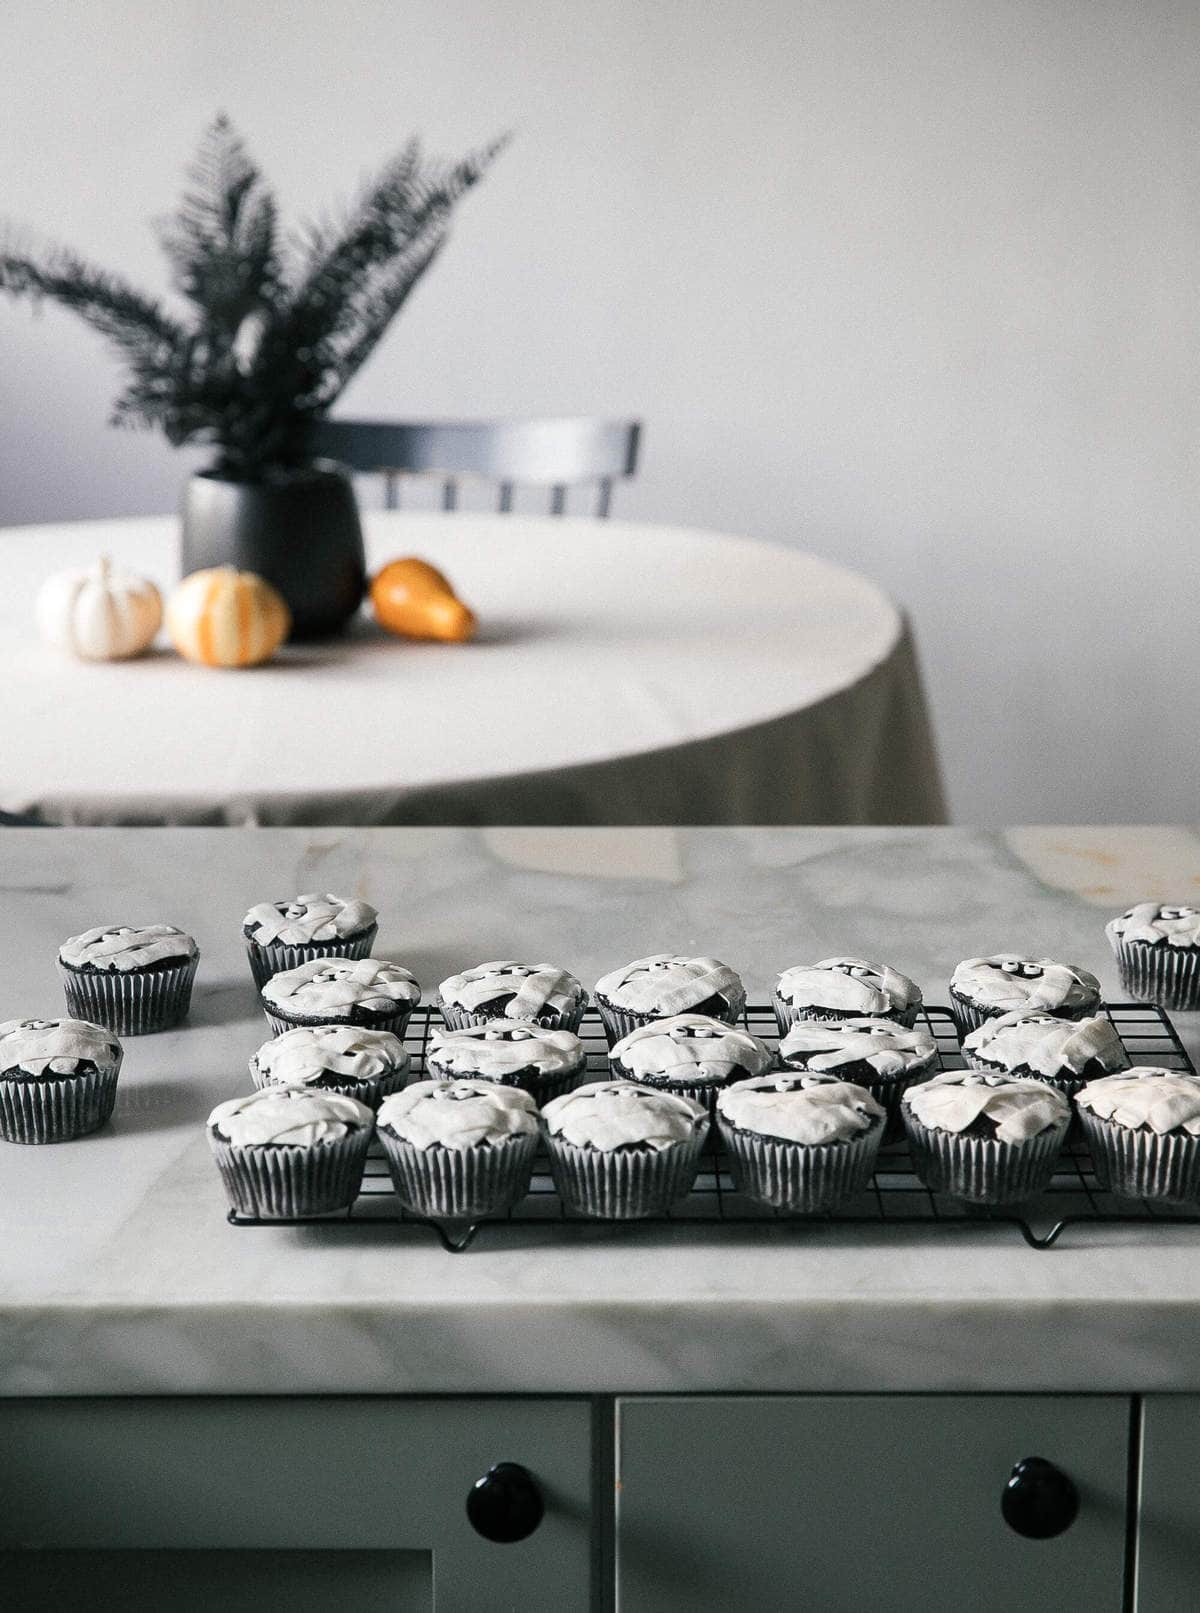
(843, 1504)
(1168, 1547)
(298, 1503)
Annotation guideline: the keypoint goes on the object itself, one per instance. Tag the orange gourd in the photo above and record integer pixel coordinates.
(227, 618)
(412, 598)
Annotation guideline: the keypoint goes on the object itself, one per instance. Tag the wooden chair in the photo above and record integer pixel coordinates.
(557, 454)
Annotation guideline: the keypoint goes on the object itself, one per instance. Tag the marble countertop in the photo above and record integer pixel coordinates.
(119, 1274)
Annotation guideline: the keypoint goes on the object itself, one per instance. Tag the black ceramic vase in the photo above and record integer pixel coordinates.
(298, 529)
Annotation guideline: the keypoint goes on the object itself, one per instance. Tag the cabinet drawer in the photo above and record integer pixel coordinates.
(361, 1500)
(1168, 1555)
(838, 1502)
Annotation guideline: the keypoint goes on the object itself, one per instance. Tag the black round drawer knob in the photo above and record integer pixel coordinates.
(1039, 1500)
(505, 1504)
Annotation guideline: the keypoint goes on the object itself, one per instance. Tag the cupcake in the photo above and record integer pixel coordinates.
(290, 1151)
(1158, 954)
(458, 1150)
(362, 1064)
(984, 1138)
(619, 1151)
(662, 986)
(845, 988)
(984, 988)
(884, 1057)
(691, 1055)
(511, 1052)
(1143, 1130)
(1064, 1053)
(367, 992)
(507, 990)
(133, 979)
(801, 1143)
(58, 1079)
(283, 935)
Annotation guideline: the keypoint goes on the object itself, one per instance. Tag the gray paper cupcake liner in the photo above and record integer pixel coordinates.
(1143, 1164)
(618, 1022)
(981, 1170)
(461, 1019)
(132, 1002)
(1166, 975)
(371, 1091)
(276, 956)
(58, 1108)
(624, 1185)
(278, 1181)
(459, 1184)
(379, 1022)
(788, 1014)
(801, 1178)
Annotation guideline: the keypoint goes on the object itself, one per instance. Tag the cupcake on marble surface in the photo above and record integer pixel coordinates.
(663, 985)
(290, 1151)
(691, 1055)
(133, 979)
(1158, 953)
(801, 1143)
(884, 1057)
(283, 935)
(984, 1138)
(1064, 1053)
(512, 1052)
(540, 992)
(619, 1151)
(457, 1150)
(362, 1064)
(367, 992)
(984, 988)
(845, 988)
(58, 1079)
(1143, 1131)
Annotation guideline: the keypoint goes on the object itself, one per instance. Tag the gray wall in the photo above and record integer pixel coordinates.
(912, 283)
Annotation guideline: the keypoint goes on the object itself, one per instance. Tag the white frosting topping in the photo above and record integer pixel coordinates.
(314, 917)
(537, 988)
(55, 1046)
(848, 985)
(1163, 1100)
(664, 985)
(294, 1115)
(808, 1109)
(887, 1047)
(338, 985)
(1046, 1045)
(127, 946)
(1008, 981)
(690, 1047)
(620, 1114)
(458, 1114)
(1149, 921)
(344, 1051)
(501, 1048)
(1019, 1110)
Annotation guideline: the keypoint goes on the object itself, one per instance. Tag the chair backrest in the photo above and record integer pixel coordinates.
(558, 454)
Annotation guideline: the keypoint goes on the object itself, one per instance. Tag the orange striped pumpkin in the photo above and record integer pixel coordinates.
(226, 617)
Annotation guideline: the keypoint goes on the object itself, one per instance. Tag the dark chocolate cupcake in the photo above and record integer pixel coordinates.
(1065, 1053)
(458, 1150)
(800, 1143)
(619, 1151)
(132, 979)
(341, 991)
(58, 1079)
(1143, 1131)
(691, 1055)
(511, 1052)
(362, 1064)
(845, 988)
(290, 1151)
(663, 985)
(283, 935)
(1007, 983)
(540, 992)
(985, 1139)
(1158, 954)
(879, 1054)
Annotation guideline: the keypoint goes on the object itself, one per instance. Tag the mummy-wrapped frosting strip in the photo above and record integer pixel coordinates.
(848, 986)
(1016, 1110)
(1157, 925)
(50, 1047)
(458, 1114)
(663, 985)
(612, 1115)
(331, 986)
(1008, 982)
(1044, 1045)
(315, 917)
(288, 1116)
(503, 1049)
(693, 1049)
(1146, 1098)
(126, 946)
(312, 1053)
(515, 991)
(828, 1046)
(809, 1109)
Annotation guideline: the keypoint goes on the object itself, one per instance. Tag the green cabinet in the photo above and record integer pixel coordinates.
(1168, 1544)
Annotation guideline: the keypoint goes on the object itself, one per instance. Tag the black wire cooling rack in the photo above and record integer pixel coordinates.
(895, 1197)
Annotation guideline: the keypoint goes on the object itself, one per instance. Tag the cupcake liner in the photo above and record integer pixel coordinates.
(58, 1108)
(457, 1018)
(370, 1091)
(460, 1184)
(624, 1185)
(378, 1022)
(788, 1014)
(276, 956)
(981, 1170)
(803, 1179)
(279, 1181)
(132, 1002)
(1143, 1164)
(619, 1022)
(1166, 975)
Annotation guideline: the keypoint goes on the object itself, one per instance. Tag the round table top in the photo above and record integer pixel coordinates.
(597, 640)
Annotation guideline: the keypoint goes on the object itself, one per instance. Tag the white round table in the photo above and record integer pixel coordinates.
(622, 674)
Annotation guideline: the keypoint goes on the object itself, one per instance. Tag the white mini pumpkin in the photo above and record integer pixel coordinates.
(99, 614)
